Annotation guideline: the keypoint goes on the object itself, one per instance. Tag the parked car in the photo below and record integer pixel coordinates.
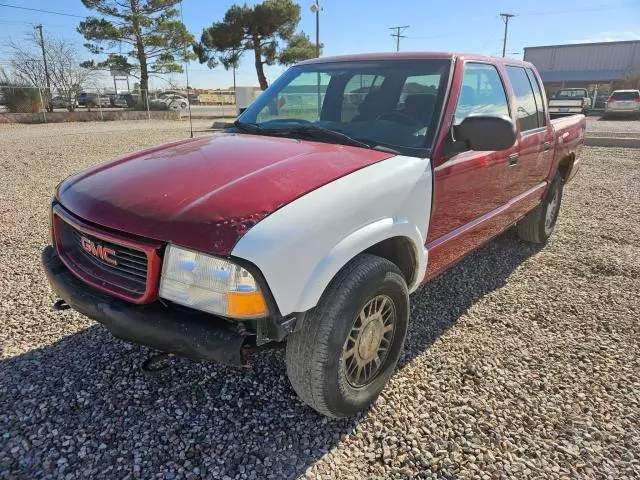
(125, 100)
(600, 102)
(62, 102)
(570, 101)
(623, 103)
(303, 226)
(93, 100)
(170, 102)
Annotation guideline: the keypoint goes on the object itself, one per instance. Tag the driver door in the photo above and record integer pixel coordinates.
(470, 187)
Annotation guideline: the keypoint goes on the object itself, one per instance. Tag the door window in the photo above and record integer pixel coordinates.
(355, 92)
(482, 92)
(526, 109)
(542, 119)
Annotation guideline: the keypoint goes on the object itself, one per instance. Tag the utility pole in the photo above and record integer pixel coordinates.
(505, 18)
(46, 69)
(316, 8)
(398, 30)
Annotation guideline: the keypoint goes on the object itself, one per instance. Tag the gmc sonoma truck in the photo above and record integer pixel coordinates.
(343, 187)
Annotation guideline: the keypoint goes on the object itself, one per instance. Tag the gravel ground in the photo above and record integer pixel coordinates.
(521, 362)
(628, 127)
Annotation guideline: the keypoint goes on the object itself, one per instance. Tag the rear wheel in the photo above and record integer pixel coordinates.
(349, 344)
(539, 224)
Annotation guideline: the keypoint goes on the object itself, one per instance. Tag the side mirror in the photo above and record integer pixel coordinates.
(486, 132)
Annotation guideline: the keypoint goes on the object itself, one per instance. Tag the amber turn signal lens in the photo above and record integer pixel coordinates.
(245, 305)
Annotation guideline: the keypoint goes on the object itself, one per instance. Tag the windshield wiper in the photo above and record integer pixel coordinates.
(322, 133)
(247, 127)
(313, 131)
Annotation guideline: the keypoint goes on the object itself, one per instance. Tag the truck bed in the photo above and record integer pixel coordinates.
(569, 133)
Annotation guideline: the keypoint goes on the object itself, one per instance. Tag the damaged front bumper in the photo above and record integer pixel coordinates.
(196, 336)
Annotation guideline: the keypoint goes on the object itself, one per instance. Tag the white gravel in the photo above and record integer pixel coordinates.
(622, 126)
(521, 362)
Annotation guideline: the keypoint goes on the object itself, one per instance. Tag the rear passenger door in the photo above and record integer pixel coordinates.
(535, 137)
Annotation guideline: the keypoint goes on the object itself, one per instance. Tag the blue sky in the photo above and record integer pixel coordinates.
(355, 26)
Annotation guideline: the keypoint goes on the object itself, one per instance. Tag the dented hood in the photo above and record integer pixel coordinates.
(205, 193)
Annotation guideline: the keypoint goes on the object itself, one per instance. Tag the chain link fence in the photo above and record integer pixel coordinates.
(41, 105)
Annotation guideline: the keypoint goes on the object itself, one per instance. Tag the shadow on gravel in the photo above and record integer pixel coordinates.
(82, 406)
(439, 303)
(617, 118)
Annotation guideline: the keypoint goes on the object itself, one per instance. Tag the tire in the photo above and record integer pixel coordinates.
(538, 225)
(323, 357)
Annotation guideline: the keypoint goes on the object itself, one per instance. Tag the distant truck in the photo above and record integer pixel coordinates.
(569, 101)
(244, 97)
(308, 224)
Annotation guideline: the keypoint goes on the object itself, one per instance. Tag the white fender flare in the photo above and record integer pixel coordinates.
(356, 243)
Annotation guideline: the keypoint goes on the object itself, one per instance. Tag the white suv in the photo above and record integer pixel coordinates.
(623, 102)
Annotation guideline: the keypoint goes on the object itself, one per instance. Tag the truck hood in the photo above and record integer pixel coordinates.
(205, 193)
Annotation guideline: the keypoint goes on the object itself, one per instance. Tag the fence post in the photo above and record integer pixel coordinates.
(44, 115)
(146, 96)
(100, 106)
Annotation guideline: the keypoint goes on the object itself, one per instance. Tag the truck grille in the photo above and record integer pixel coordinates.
(99, 258)
(129, 264)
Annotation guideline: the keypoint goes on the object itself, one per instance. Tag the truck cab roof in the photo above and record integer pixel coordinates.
(415, 56)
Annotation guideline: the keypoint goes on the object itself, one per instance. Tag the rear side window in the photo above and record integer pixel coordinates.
(482, 92)
(625, 95)
(542, 119)
(526, 110)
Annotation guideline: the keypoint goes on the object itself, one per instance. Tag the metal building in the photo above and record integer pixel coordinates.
(595, 66)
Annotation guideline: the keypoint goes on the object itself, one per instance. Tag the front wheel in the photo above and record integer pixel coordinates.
(349, 344)
(539, 224)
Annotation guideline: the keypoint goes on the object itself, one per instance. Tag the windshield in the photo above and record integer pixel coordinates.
(570, 94)
(389, 103)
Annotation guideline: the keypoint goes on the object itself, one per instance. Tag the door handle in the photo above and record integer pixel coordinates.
(513, 159)
(547, 146)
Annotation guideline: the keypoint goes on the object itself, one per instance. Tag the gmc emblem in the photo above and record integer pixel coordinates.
(98, 251)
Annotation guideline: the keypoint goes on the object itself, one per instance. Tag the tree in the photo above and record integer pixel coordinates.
(632, 80)
(18, 95)
(66, 75)
(299, 48)
(151, 28)
(260, 28)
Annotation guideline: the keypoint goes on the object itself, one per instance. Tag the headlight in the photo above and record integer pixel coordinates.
(210, 284)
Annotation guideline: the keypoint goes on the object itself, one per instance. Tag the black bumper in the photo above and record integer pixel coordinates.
(196, 336)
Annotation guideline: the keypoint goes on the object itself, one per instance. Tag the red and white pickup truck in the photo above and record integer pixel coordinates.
(342, 188)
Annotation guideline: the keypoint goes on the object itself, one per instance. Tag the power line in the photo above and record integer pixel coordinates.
(398, 30)
(505, 18)
(41, 11)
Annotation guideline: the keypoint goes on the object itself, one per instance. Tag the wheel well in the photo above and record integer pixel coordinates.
(564, 167)
(400, 251)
